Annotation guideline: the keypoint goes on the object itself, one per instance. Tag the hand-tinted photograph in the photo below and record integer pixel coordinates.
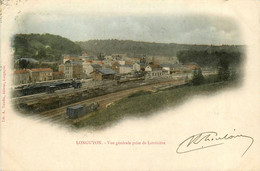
(92, 71)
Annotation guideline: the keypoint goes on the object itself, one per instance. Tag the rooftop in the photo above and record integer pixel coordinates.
(75, 107)
(115, 63)
(72, 62)
(40, 69)
(68, 57)
(129, 66)
(193, 67)
(20, 71)
(96, 66)
(106, 71)
(155, 66)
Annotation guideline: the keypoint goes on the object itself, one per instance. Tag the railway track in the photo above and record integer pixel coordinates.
(58, 115)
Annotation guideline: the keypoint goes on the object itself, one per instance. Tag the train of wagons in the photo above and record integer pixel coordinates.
(45, 87)
(52, 87)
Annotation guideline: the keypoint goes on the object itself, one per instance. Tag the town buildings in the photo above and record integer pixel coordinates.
(85, 66)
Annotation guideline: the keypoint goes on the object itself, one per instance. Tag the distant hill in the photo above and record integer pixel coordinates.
(114, 46)
(46, 47)
(204, 55)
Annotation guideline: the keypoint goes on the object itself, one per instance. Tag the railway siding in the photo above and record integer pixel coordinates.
(47, 102)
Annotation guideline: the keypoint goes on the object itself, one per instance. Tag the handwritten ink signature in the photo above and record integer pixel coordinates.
(208, 139)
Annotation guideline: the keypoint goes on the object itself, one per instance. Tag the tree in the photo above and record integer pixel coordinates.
(223, 68)
(42, 53)
(197, 77)
(23, 64)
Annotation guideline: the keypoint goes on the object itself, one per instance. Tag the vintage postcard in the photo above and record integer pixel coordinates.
(130, 85)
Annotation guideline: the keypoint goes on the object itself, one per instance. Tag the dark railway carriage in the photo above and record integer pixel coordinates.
(76, 84)
(34, 89)
(41, 88)
(63, 85)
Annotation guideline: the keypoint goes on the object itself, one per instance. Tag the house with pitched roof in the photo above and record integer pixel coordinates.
(40, 74)
(104, 74)
(89, 68)
(67, 58)
(180, 69)
(193, 66)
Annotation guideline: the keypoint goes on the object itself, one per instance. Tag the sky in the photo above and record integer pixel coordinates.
(182, 29)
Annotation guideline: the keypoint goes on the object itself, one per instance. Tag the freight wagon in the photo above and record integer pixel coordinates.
(77, 111)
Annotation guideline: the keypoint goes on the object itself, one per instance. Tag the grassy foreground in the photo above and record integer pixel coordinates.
(143, 103)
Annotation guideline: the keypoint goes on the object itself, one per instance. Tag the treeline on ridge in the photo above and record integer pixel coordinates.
(132, 48)
(46, 47)
(210, 59)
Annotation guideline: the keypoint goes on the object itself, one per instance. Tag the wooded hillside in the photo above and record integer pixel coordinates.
(45, 47)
